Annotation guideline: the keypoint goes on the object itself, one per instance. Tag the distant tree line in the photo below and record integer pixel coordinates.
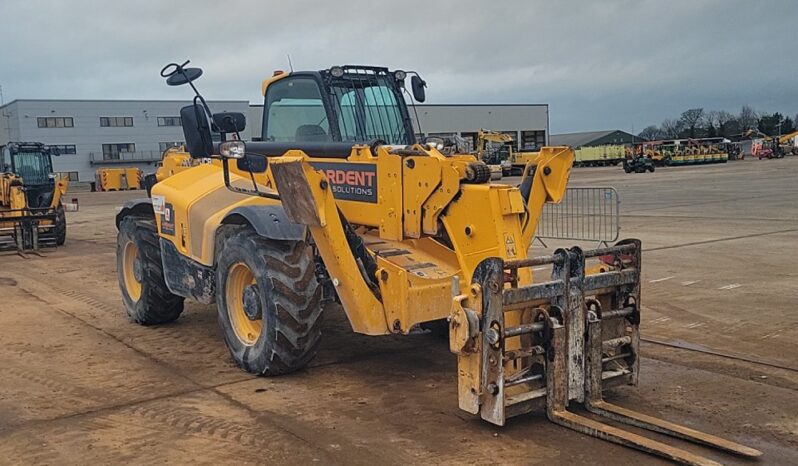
(698, 123)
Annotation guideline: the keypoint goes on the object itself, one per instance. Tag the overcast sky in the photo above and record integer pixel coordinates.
(599, 64)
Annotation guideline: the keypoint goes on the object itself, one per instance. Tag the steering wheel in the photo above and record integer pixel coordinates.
(172, 68)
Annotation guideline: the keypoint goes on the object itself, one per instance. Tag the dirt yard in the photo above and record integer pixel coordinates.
(80, 384)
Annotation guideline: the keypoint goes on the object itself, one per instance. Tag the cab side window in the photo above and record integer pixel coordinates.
(294, 112)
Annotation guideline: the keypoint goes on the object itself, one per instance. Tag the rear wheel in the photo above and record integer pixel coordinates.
(60, 226)
(268, 300)
(140, 270)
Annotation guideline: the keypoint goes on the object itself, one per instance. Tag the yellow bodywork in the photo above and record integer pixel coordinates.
(415, 205)
(118, 179)
(175, 160)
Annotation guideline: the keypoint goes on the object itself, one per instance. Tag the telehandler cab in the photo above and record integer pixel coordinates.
(340, 201)
(31, 212)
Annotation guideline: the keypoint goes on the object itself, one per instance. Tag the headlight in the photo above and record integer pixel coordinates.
(233, 149)
(336, 71)
(399, 75)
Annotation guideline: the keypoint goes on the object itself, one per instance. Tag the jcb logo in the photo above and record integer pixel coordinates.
(351, 181)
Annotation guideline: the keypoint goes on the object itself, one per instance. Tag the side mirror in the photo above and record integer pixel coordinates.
(418, 85)
(183, 76)
(197, 131)
(252, 163)
(230, 122)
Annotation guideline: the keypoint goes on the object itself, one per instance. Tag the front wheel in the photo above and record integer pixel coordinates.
(60, 228)
(140, 270)
(268, 301)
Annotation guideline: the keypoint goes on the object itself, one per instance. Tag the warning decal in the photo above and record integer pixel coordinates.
(168, 220)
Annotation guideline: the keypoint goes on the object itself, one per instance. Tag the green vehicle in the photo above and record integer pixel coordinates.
(640, 164)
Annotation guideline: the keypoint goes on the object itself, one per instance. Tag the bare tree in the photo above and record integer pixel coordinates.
(748, 118)
(711, 118)
(722, 117)
(692, 120)
(651, 133)
(671, 128)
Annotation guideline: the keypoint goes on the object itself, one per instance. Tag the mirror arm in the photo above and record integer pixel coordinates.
(235, 189)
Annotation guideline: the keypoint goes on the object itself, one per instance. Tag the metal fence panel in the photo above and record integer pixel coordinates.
(585, 214)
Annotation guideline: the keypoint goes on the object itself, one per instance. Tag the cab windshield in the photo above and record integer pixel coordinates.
(495, 153)
(34, 167)
(360, 106)
(369, 107)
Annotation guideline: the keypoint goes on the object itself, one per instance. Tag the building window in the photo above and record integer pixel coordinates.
(169, 121)
(114, 122)
(71, 176)
(166, 145)
(55, 122)
(533, 139)
(114, 151)
(64, 149)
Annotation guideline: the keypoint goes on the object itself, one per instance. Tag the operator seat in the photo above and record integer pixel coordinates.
(311, 133)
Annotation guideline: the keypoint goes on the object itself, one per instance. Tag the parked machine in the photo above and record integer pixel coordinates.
(342, 203)
(788, 143)
(31, 213)
(599, 156)
(638, 164)
(495, 149)
(118, 179)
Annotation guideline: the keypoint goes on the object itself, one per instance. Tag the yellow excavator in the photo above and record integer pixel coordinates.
(340, 202)
(31, 212)
(495, 149)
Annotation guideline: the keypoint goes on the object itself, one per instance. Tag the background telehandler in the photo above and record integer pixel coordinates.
(341, 202)
(31, 212)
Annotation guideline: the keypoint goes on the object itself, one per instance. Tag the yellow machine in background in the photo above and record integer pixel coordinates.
(600, 156)
(31, 213)
(118, 179)
(175, 160)
(788, 143)
(495, 149)
(340, 202)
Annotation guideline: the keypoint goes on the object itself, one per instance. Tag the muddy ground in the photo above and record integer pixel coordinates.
(80, 384)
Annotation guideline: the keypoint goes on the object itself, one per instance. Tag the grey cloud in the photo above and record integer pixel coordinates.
(600, 65)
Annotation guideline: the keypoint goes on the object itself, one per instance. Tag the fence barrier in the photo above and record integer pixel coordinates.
(585, 214)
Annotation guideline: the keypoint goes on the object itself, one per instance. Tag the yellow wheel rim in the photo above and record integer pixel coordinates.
(131, 266)
(239, 278)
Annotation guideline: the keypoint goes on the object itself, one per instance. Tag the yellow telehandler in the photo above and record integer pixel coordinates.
(31, 213)
(341, 202)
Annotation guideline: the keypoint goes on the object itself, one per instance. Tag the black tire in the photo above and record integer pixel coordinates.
(60, 228)
(155, 304)
(651, 168)
(286, 299)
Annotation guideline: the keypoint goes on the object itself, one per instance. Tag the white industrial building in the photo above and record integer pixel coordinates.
(97, 133)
